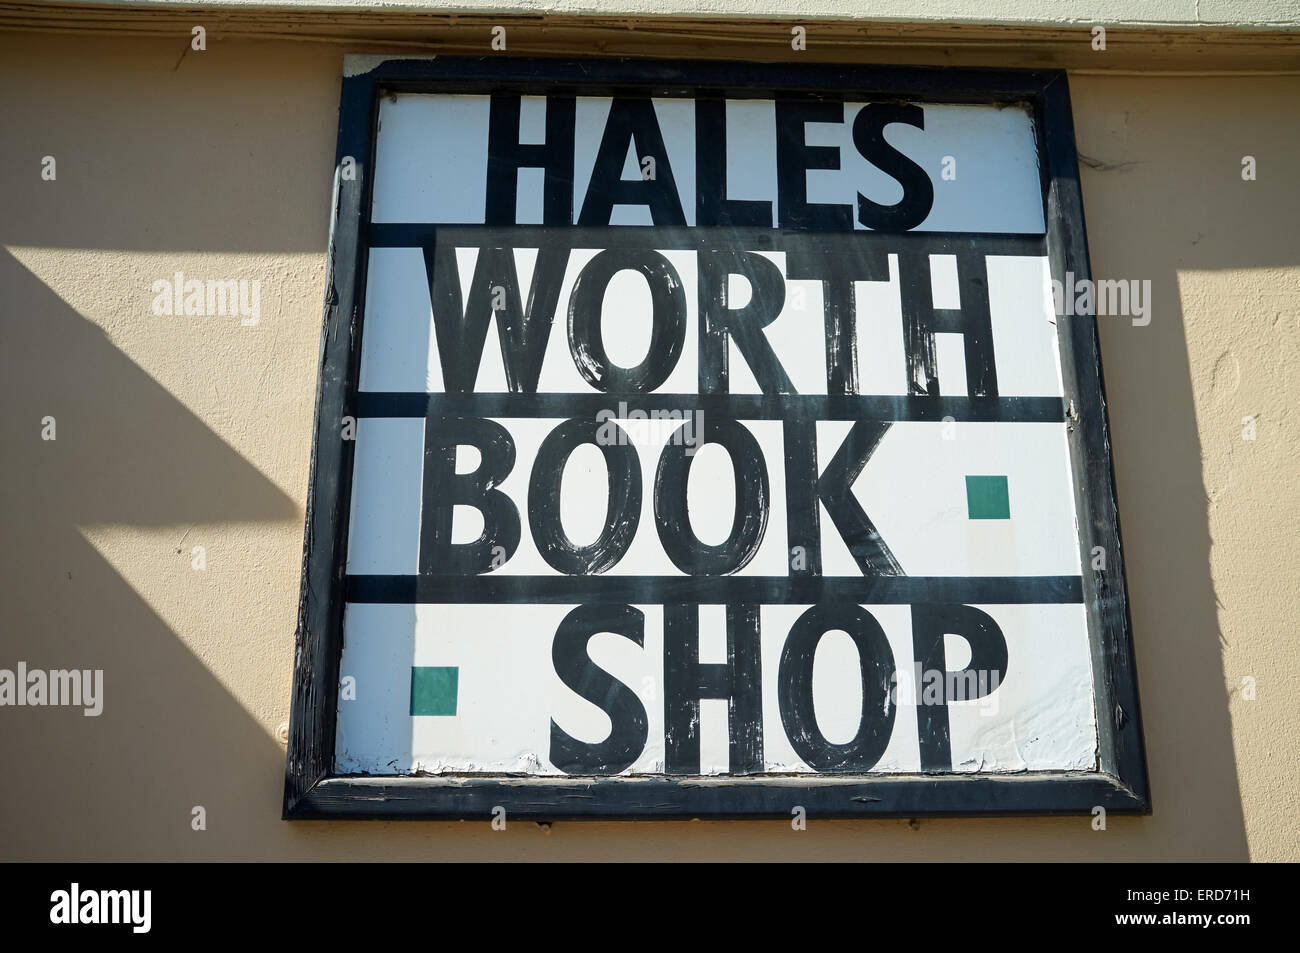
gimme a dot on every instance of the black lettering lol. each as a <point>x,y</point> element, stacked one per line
<point>444,489</point>
<point>629,726</point>
<point>988,658</point>
<point>712,207</point>
<point>834,490</point>
<point>794,157</point>
<point>918,191</point>
<point>837,262</point>
<point>686,682</point>
<point>462,329</point>
<point>631,122</point>
<point>622,513</point>
<point>922,320</point>
<point>719,321</point>
<point>802,519</point>
<point>507,155</point>
<point>795,688</point>
<point>683,547</point>
<point>667,317</point>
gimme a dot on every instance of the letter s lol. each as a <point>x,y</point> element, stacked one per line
<point>918,190</point>
<point>629,726</point>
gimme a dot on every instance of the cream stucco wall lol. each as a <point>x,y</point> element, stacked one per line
<point>179,432</point>
<point>1254,14</point>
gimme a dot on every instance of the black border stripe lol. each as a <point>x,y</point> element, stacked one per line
<point>609,76</point>
<point>1119,732</point>
<point>759,796</point>
<point>711,590</point>
<point>732,406</point>
<point>691,238</point>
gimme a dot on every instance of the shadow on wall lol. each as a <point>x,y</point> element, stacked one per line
<point>1170,180</point>
<point>126,451</point>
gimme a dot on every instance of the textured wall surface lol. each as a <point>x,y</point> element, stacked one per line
<point>1246,13</point>
<point>179,432</point>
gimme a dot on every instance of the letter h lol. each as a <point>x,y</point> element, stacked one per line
<point>687,682</point>
<point>507,155</point>
<point>922,320</point>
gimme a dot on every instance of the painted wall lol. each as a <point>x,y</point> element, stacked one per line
<point>1258,14</point>
<point>183,432</point>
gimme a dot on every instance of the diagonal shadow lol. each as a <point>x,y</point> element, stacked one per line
<point>126,451</point>
<point>1134,135</point>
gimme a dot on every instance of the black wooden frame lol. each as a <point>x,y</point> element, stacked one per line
<point>313,790</point>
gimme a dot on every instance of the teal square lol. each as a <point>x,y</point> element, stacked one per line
<point>987,498</point>
<point>433,689</point>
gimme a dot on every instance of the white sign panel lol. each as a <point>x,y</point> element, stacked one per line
<point>709,436</point>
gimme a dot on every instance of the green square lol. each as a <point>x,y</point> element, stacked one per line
<point>987,499</point>
<point>433,689</point>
